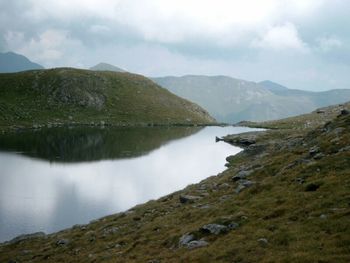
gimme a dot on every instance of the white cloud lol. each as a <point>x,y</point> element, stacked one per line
<point>47,48</point>
<point>280,38</point>
<point>326,44</point>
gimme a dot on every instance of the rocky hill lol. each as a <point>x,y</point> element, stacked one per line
<point>12,62</point>
<point>71,96</point>
<point>285,198</point>
<point>232,100</point>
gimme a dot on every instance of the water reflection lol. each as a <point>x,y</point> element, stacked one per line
<point>36,195</point>
<point>90,144</point>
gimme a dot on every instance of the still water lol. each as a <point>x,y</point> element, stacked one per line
<point>55,178</point>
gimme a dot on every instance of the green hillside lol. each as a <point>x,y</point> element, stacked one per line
<point>73,96</point>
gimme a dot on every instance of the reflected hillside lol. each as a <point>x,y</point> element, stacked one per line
<point>81,144</point>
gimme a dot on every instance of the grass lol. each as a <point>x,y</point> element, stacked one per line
<point>300,224</point>
<point>83,97</point>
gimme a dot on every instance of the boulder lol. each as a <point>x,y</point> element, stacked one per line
<point>188,199</point>
<point>215,229</point>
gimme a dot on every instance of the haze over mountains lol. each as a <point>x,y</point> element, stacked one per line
<point>231,100</point>
<point>12,62</point>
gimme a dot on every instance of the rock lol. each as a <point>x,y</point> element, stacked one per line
<point>62,242</point>
<point>241,175</point>
<point>233,226</point>
<point>344,112</point>
<point>300,180</point>
<point>319,156</point>
<point>239,188</point>
<point>242,184</point>
<point>323,216</point>
<point>110,230</point>
<point>28,236</point>
<point>188,199</point>
<point>320,111</point>
<point>197,244</point>
<point>263,242</point>
<point>215,229</point>
<point>70,117</point>
<point>185,239</point>
<point>102,123</point>
<point>314,150</point>
<point>217,139</point>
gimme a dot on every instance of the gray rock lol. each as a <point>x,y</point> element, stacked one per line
<point>110,230</point>
<point>314,150</point>
<point>319,156</point>
<point>197,244</point>
<point>246,183</point>
<point>188,199</point>
<point>323,216</point>
<point>263,242</point>
<point>27,237</point>
<point>241,175</point>
<point>344,112</point>
<point>215,229</point>
<point>239,188</point>
<point>233,226</point>
<point>185,239</point>
<point>62,242</point>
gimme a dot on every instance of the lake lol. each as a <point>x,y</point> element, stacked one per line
<point>51,179</point>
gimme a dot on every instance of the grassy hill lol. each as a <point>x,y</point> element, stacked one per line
<point>73,96</point>
<point>285,198</point>
<point>232,100</point>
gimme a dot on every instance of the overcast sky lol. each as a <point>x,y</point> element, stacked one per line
<point>302,44</point>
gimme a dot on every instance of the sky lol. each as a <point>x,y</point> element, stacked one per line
<point>302,44</point>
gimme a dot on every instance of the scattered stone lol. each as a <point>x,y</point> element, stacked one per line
<point>185,239</point>
<point>314,150</point>
<point>233,226</point>
<point>110,230</point>
<point>62,242</point>
<point>241,175</point>
<point>319,156</point>
<point>188,199</point>
<point>197,244</point>
<point>28,236</point>
<point>323,216</point>
<point>102,123</point>
<point>300,180</point>
<point>344,112</point>
<point>263,242</point>
<point>239,188</point>
<point>215,229</point>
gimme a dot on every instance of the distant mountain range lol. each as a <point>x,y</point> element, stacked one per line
<point>12,62</point>
<point>106,67</point>
<point>231,100</point>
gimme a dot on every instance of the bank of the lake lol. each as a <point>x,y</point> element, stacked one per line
<point>285,198</point>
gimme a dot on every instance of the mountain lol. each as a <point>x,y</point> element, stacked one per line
<point>73,96</point>
<point>270,85</point>
<point>106,67</point>
<point>231,100</point>
<point>12,62</point>
<point>284,198</point>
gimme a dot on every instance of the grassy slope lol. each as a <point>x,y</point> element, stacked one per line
<point>300,223</point>
<point>64,95</point>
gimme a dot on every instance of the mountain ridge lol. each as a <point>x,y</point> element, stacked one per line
<point>232,100</point>
<point>13,62</point>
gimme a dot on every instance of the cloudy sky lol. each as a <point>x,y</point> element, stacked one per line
<point>302,44</point>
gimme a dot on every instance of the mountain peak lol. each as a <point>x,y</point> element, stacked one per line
<point>106,67</point>
<point>13,62</point>
<point>272,86</point>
